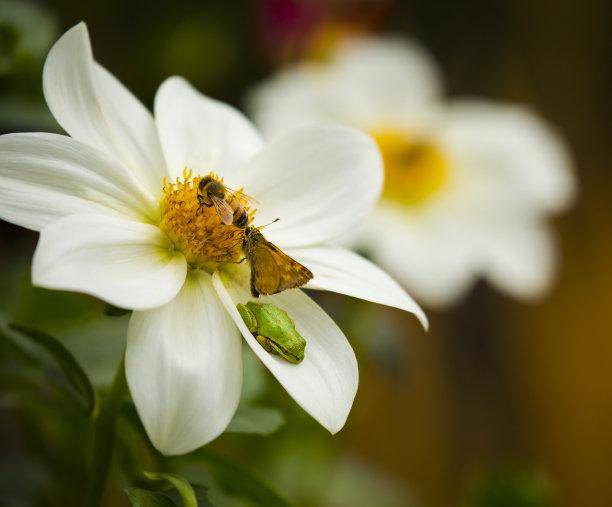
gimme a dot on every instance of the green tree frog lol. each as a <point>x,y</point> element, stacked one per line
<point>274,330</point>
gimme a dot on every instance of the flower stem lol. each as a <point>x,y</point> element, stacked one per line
<point>104,437</point>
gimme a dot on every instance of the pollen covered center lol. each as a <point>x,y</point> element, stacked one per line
<point>415,169</point>
<point>196,229</point>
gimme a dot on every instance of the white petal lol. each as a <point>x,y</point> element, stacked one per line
<point>366,82</point>
<point>433,258</point>
<point>510,154</point>
<point>184,368</point>
<point>520,259</point>
<point>201,133</point>
<point>93,107</point>
<point>325,382</point>
<point>298,95</point>
<point>340,270</point>
<point>128,264</point>
<point>437,278</point>
<point>319,180</point>
<point>47,176</point>
<point>386,79</point>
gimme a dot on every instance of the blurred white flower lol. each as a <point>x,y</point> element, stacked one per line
<point>111,226</point>
<point>469,184</point>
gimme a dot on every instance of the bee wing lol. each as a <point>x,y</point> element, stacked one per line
<point>273,271</point>
<point>251,200</point>
<point>224,210</point>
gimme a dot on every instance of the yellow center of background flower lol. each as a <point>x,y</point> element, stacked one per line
<point>197,230</point>
<point>415,169</point>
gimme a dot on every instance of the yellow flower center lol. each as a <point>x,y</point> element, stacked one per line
<point>195,229</point>
<point>415,169</point>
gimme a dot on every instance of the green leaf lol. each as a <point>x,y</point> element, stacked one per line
<point>36,25</point>
<point>143,498</point>
<point>509,487</point>
<point>201,494</point>
<point>17,111</point>
<point>182,486</point>
<point>256,420</point>
<point>8,345</point>
<point>115,311</point>
<point>66,361</point>
<point>239,480</point>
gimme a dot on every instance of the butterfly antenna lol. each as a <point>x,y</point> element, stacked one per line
<point>266,225</point>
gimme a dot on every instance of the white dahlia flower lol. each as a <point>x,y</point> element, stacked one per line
<point>469,184</point>
<point>118,214</point>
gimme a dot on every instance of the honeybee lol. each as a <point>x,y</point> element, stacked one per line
<point>240,217</point>
<point>211,192</point>
<point>272,270</point>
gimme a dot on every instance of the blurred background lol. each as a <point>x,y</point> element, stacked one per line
<point>500,404</point>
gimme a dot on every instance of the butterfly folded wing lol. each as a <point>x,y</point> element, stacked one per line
<point>273,271</point>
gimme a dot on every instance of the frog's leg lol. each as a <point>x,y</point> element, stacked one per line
<point>275,349</point>
<point>267,344</point>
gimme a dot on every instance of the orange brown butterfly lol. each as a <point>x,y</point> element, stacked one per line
<point>272,270</point>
